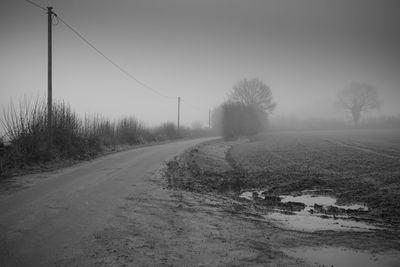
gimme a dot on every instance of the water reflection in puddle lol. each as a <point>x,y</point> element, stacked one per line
<point>319,213</point>
<point>339,256</point>
<point>250,194</point>
<point>302,221</point>
<point>311,200</point>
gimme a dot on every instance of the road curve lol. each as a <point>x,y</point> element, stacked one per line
<point>40,224</point>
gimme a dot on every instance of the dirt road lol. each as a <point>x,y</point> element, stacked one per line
<point>112,210</point>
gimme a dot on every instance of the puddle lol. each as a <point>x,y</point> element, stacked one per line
<point>340,256</point>
<point>311,200</point>
<point>251,194</point>
<point>312,212</point>
<point>302,221</point>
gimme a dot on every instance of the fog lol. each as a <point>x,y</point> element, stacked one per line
<point>305,51</point>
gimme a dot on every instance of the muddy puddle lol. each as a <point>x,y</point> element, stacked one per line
<point>309,211</point>
<point>340,256</point>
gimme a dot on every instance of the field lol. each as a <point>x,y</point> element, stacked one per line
<point>276,180</point>
<point>356,166</point>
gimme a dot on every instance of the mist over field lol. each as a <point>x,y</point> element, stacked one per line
<point>199,133</point>
<point>306,51</point>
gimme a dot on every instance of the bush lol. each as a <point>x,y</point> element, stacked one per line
<point>239,119</point>
<point>72,138</point>
<point>27,132</point>
<point>128,131</point>
<point>167,131</point>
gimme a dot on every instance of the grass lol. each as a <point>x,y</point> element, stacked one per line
<point>25,142</point>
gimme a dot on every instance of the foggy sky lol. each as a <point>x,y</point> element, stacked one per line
<point>304,50</point>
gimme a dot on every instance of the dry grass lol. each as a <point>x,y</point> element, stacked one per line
<point>26,134</point>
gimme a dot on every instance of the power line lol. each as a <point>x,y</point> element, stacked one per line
<point>36,5</point>
<point>191,105</point>
<point>58,18</point>
<point>111,61</point>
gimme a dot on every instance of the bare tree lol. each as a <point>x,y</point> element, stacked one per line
<point>253,93</point>
<point>358,98</point>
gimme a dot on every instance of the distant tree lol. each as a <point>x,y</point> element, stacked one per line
<point>253,92</point>
<point>239,119</point>
<point>358,98</point>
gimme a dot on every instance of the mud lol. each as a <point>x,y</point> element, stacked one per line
<point>312,212</point>
<point>285,197</point>
<point>290,163</point>
<point>344,257</point>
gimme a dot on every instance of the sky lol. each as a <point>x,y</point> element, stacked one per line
<point>304,50</point>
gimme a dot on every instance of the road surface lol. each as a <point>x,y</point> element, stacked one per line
<point>57,221</point>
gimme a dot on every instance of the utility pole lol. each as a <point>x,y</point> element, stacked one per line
<point>209,118</point>
<point>49,76</point>
<point>179,107</point>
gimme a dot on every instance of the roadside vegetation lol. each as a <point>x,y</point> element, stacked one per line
<point>25,143</point>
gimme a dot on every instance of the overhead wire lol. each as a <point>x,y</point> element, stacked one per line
<point>36,5</point>
<point>78,34</point>
<point>191,105</point>
<point>111,61</point>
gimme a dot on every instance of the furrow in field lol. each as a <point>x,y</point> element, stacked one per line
<point>364,149</point>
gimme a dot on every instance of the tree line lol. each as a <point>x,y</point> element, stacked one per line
<point>250,103</point>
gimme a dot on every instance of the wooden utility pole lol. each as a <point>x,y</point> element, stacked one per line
<point>49,75</point>
<point>209,118</point>
<point>179,108</point>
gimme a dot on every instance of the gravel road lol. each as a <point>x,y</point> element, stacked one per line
<point>57,220</point>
